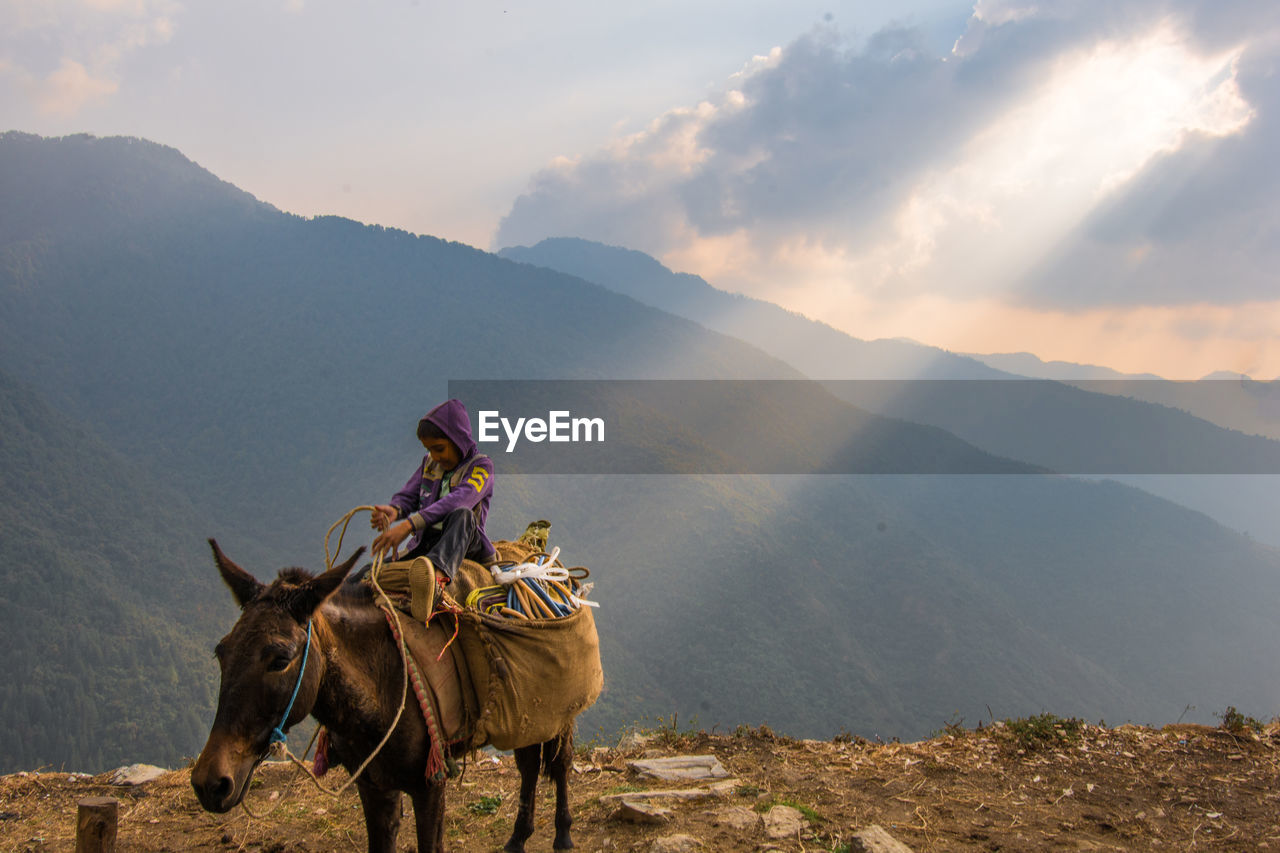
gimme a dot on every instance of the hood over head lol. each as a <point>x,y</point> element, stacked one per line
<point>452,420</point>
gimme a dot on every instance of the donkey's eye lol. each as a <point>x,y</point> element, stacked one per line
<point>278,663</point>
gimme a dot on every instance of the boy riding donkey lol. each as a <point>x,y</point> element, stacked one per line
<point>443,506</point>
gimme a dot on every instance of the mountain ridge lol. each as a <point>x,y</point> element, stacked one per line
<point>811,346</point>
<point>1091,426</point>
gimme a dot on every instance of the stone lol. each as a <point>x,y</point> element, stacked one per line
<point>739,817</point>
<point>642,813</point>
<point>137,774</point>
<point>784,822</point>
<point>719,789</point>
<point>874,839</point>
<point>676,844</point>
<point>681,767</point>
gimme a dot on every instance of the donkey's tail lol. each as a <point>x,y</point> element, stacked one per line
<point>557,753</point>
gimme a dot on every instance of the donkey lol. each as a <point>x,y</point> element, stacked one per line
<point>349,678</point>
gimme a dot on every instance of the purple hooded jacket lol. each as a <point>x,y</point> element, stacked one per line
<point>420,502</point>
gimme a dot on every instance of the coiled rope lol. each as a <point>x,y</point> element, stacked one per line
<point>279,749</point>
<point>543,568</point>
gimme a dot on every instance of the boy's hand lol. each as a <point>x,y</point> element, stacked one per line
<point>382,516</point>
<point>390,539</point>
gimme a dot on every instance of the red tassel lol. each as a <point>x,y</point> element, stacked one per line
<point>320,765</point>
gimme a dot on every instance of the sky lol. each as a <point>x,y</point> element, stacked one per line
<point>1088,180</point>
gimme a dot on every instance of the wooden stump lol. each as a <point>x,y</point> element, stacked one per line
<point>96,825</point>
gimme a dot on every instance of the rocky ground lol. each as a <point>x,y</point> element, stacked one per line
<point>1036,784</point>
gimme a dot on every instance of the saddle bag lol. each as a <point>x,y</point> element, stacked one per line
<point>531,676</point>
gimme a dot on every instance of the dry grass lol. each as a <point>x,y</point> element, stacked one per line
<point>1129,788</point>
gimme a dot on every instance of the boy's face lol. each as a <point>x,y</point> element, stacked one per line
<point>443,452</point>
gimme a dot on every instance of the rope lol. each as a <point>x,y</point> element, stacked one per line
<point>280,747</point>
<point>544,568</point>
<point>277,734</point>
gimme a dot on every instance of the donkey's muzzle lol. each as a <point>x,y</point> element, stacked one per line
<point>221,773</point>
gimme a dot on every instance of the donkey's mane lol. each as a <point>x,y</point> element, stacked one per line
<point>283,591</point>
<point>294,575</point>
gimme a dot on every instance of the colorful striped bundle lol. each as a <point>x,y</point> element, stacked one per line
<point>538,590</point>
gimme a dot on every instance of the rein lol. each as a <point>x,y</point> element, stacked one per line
<point>277,734</point>
<point>279,743</point>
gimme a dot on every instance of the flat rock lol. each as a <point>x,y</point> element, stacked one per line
<point>676,844</point>
<point>874,839</point>
<point>642,813</point>
<point>137,774</point>
<point>718,789</point>
<point>681,767</point>
<point>784,822</point>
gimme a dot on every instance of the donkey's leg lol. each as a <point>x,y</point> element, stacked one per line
<point>528,760</point>
<point>428,815</point>
<point>558,761</point>
<point>381,816</point>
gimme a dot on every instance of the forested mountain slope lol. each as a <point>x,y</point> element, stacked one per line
<point>258,374</point>
<point>108,601</point>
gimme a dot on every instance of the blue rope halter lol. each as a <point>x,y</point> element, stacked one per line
<point>277,734</point>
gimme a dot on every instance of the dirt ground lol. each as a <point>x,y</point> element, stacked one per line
<point>1067,786</point>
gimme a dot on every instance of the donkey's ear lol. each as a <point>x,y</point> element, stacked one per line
<point>316,590</point>
<point>244,587</point>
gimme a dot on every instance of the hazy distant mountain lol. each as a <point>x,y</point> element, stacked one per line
<point>270,369</point>
<point>1223,397</point>
<point>822,352</point>
<point>1246,502</point>
<point>1058,427</point>
<point>817,350</point>
<point>1031,366</point>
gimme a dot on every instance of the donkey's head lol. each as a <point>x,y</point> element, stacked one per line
<point>262,662</point>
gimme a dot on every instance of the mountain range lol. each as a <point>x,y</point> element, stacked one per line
<point>1160,435</point>
<point>191,362</point>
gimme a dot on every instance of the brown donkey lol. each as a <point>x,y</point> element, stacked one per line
<point>298,649</point>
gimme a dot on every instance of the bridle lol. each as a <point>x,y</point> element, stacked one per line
<point>278,734</point>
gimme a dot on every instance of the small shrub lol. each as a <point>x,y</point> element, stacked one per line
<point>624,789</point>
<point>954,727</point>
<point>809,812</point>
<point>1042,730</point>
<point>485,806</point>
<point>669,733</point>
<point>1234,721</point>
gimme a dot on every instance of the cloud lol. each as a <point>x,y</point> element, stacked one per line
<point>64,55</point>
<point>1201,221</point>
<point>1061,156</point>
<point>69,88</point>
<point>816,138</point>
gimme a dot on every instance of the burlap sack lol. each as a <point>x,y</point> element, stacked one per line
<point>532,677</point>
